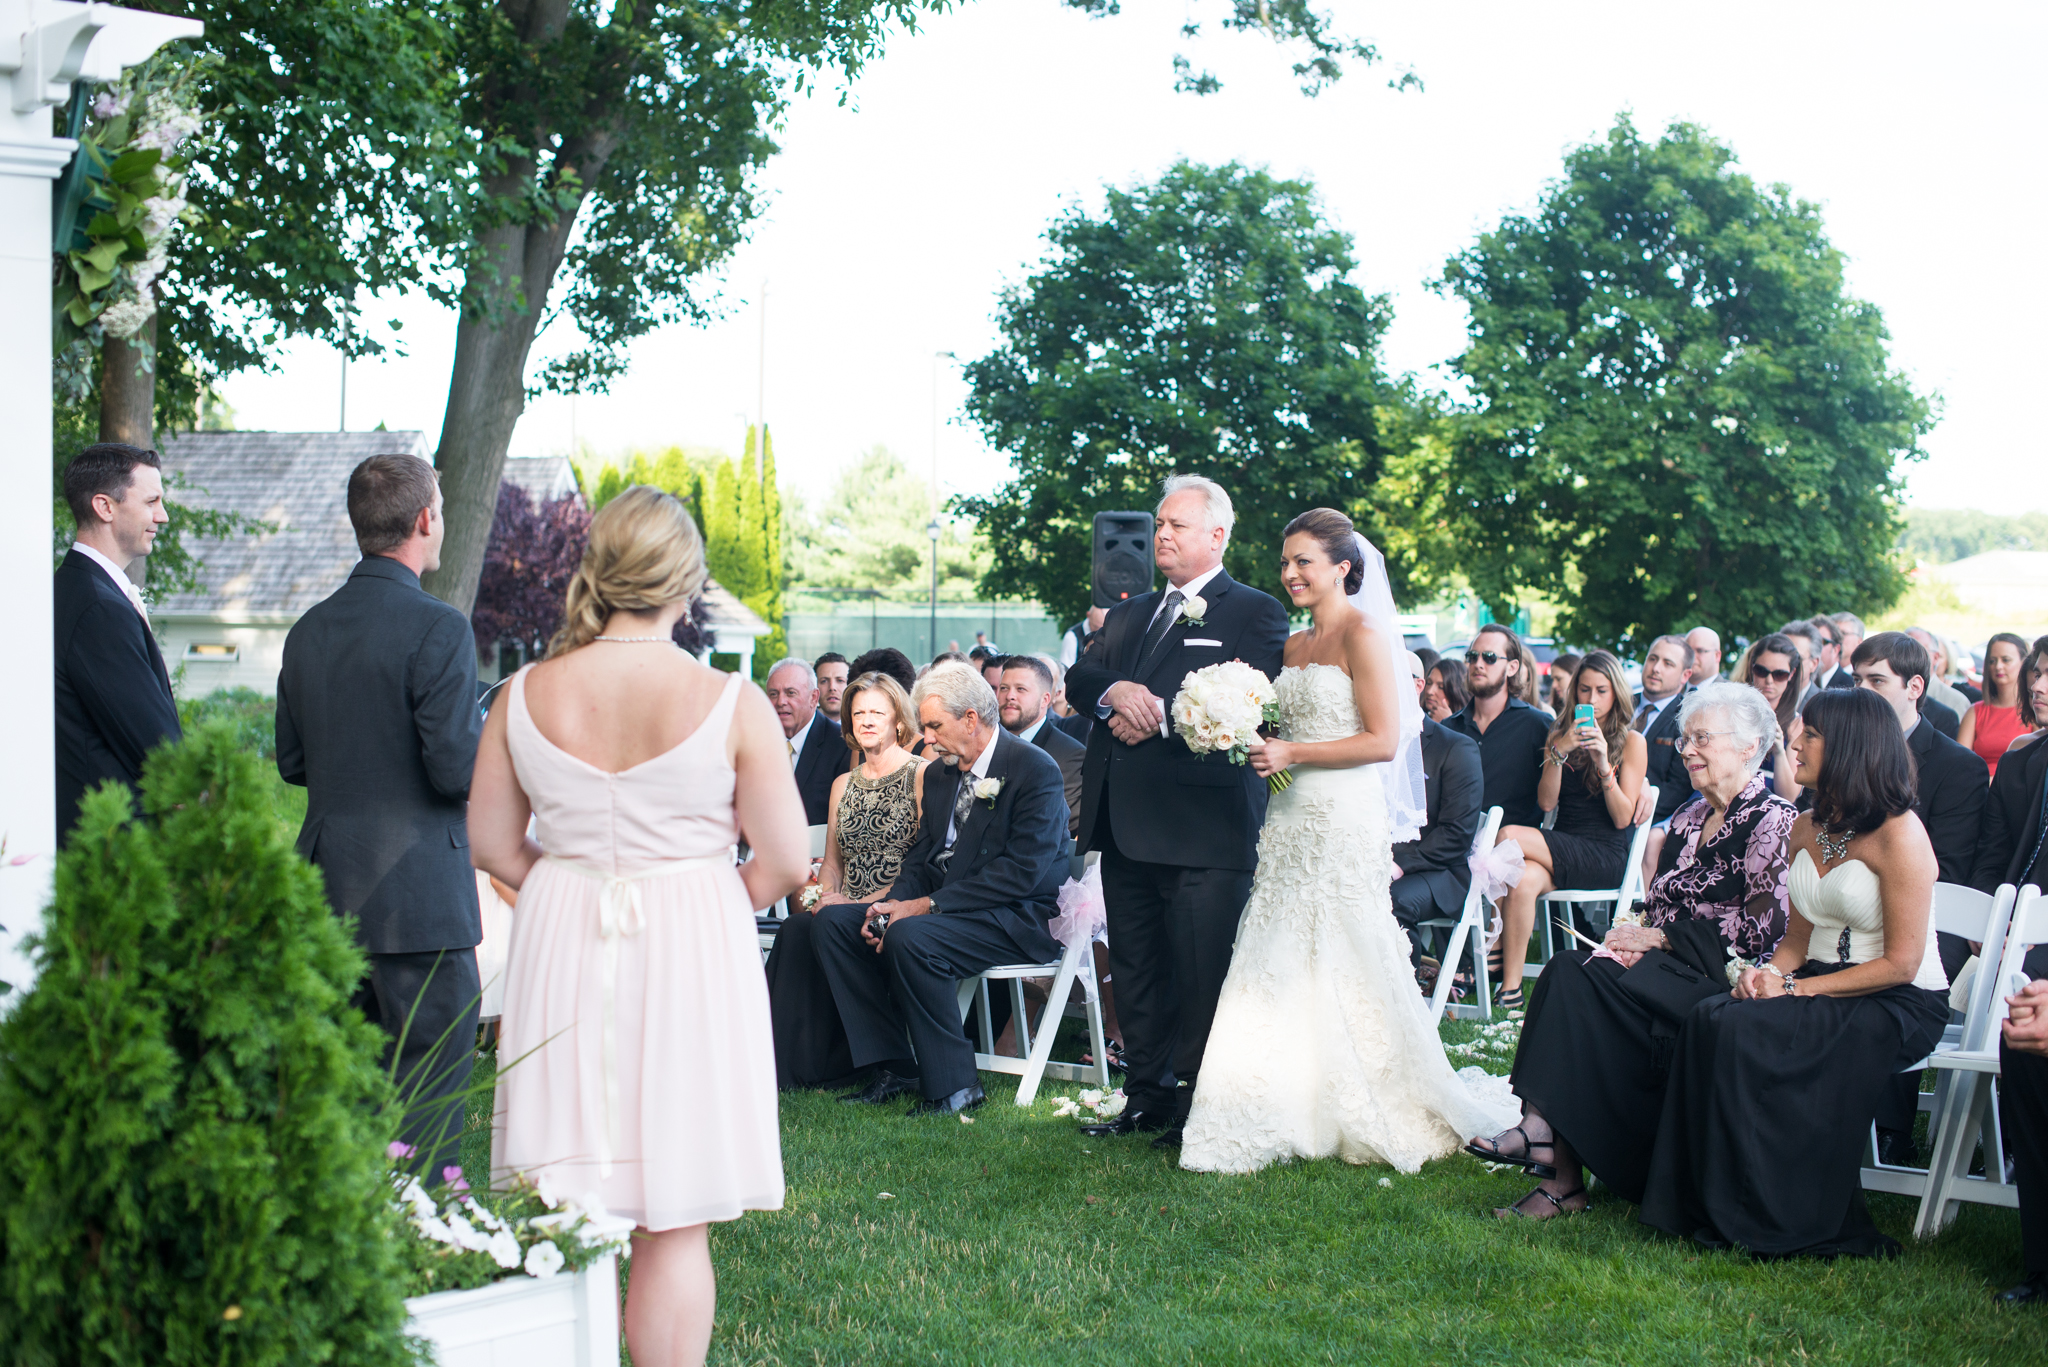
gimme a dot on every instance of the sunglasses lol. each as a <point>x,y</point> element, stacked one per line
<point>1774,675</point>
<point>1473,657</point>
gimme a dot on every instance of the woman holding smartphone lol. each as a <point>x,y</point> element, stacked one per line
<point>1593,767</point>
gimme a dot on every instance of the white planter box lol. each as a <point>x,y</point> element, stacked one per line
<point>560,1321</point>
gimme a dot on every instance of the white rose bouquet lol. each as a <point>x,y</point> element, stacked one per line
<point>1222,707</point>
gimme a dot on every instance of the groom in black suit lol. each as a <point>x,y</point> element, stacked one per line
<point>1178,831</point>
<point>114,702</point>
<point>976,891</point>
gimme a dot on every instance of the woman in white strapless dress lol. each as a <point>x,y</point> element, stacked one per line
<point>638,1064</point>
<point>1773,1090</point>
<point>1322,1044</point>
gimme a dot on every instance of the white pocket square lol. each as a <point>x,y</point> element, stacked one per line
<point>1198,641</point>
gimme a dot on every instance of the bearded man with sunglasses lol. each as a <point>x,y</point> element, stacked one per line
<point>1510,733</point>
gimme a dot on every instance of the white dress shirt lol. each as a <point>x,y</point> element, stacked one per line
<point>796,742</point>
<point>977,770</point>
<point>116,573</point>
<point>1029,735</point>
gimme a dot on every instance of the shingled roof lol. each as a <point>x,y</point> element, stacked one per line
<point>297,482</point>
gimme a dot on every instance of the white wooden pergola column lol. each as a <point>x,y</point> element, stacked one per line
<point>44,46</point>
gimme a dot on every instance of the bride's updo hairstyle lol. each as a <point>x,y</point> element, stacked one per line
<point>644,554</point>
<point>1337,536</point>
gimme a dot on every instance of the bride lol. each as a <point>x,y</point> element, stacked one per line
<point>1322,1045</point>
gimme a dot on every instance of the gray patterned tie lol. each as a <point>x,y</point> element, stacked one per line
<point>1161,624</point>
<point>962,805</point>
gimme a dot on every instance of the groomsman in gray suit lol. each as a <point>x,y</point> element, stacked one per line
<point>377,718</point>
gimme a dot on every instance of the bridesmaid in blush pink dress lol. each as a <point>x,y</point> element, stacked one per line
<point>638,1059</point>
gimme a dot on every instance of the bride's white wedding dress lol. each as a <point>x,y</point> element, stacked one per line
<point>1322,1043</point>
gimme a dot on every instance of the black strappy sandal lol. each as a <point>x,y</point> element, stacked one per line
<point>1511,998</point>
<point>1463,985</point>
<point>1526,1159</point>
<point>1515,1211</point>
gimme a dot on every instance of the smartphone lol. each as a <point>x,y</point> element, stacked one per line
<point>1582,715</point>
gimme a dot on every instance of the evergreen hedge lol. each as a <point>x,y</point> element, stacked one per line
<point>192,1119</point>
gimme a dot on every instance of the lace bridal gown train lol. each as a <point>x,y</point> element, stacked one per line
<point>1322,1044</point>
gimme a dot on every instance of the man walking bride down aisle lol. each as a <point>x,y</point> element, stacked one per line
<point>1321,1045</point>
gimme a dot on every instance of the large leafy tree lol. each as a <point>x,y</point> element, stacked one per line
<point>1681,415</point>
<point>871,533</point>
<point>1205,324</point>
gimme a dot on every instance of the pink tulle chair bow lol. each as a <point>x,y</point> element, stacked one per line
<point>1082,912</point>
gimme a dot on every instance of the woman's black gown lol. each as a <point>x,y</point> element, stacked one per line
<point>1587,850</point>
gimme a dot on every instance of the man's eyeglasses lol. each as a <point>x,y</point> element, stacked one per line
<point>1774,675</point>
<point>1473,657</point>
<point>1692,740</point>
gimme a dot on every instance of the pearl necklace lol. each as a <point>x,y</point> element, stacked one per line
<point>651,640</point>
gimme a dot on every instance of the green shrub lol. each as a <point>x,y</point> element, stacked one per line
<point>252,715</point>
<point>192,1118</point>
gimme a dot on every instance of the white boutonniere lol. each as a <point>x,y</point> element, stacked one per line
<point>1194,610</point>
<point>987,788</point>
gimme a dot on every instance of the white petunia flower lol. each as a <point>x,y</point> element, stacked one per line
<point>504,1248</point>
<point>466,1235</point>
<point>543,1259</point>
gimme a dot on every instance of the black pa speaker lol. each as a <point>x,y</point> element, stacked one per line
<point>1123,558</point>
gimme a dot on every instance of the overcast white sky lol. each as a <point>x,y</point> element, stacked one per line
<point>897,218</point>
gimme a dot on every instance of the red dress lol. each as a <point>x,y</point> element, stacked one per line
<point>1997,727</point>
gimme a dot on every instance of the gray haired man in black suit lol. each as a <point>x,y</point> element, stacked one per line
<point>114,700</point>
<point>377,718</point>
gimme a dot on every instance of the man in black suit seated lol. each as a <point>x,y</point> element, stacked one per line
<point>817,752</point>
<point>1667,676</point>
<point>976,891</point>
<point>1025,697</point>
<point>1433,872</point>
<point>114,702</point>
<point>377,720</point>
<point>1953,784</point>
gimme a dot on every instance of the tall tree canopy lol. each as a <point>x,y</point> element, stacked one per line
<point>1681,415</point>
<point>1205,324</point>
<point>870,532</point>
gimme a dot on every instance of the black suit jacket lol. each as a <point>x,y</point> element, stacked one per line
<point>1954,783</point>
<point>377,719</point>
<point>823,758</point>
<point>1944,718</point>
<point>1165,804</point>
<point>1010,855</point>
<point>1667,769</point>
<point>1069,754</point>
<point>1841,678</point>
<point>2012,820</point>
<point>114,702</point>
<point>1078,726</point>
<point>1453,786</point>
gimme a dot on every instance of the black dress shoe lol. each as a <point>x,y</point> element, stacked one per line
<point>2032,1291</point>
<point>1169,1138</point>
<point>966,1099</point>
<point>884,1086</point>
<point>1129,1122</point>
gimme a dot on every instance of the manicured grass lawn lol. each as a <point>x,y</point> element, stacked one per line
<point>1013,1240</point>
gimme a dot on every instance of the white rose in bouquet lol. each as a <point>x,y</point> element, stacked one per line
<point>1222,707</point>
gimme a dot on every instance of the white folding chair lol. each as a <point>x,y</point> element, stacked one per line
<point>781,909</point>
<point>1966,1117</point>
<point>1469,927</point>
<point>1627,895</point>
<point>1034,1053</point>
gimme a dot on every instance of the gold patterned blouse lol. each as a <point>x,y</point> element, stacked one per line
<point>877,824</point>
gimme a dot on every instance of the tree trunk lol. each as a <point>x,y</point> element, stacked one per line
<point>128,388</point>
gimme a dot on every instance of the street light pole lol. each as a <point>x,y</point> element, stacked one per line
<point>933,527</point>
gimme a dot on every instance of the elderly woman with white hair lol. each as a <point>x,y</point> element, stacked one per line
<point>1596,1047</point>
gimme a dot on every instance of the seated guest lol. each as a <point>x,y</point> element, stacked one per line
<point>1560,677</point>
<point>872,822</point>
<point>1433,871</point>
<point>887,660</point>
<point>1667,670</point>
<point>2023,1117</point>
<point>1025,699</point>
<point>1444,691</point>
<point>2007,847</point>
<point>1831,670</point>
<point>1807,641</point>
<point>1941,693</point>
<point>976,890</point>
<point>1773,1089</point>
<point>1592,773</point>
<point>952,656</point>
<point>1850,632</point>
<point>1993,724</point>
<point>817,755</point>
<point>1509,731</point>
<point>1591,1065</point>
<point>1951,782</point>
<point>1428,657</point>
<point>1706,651</point>
<point>832,672</point>
<point>1774,668</point>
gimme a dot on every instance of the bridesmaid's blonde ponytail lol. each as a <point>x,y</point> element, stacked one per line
<point>644,554</point>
